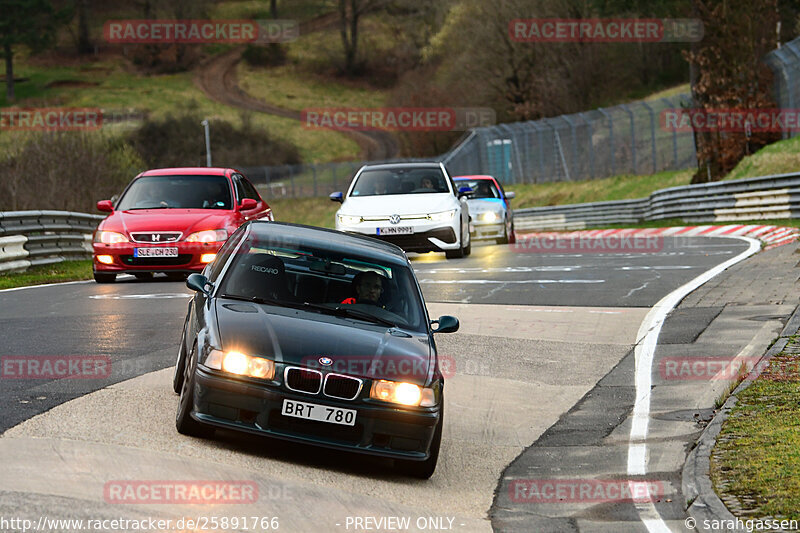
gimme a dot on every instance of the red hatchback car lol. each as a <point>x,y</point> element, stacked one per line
<point>172,220</point>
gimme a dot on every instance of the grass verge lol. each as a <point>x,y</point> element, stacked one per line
<point>756,462</point>
<point>310,211</point>
<point>39,275</point>
<point>600,190</point>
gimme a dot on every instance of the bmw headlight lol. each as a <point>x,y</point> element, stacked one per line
<point>402,393</point>
<point>110,237</point>
<point>209,235</point>
<point>349,220</point>
<point>444,216</point>
<point>240,364</point>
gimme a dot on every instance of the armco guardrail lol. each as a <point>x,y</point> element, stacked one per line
<point>29,238</point>
<point>763,198</point>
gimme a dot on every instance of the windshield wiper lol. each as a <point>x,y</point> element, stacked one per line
<point>344,310</point>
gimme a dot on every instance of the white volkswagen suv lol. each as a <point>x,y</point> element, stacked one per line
<point>413,205</point>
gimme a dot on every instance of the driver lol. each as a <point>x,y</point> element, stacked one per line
<point>381,186</point>
<point>368,288</point>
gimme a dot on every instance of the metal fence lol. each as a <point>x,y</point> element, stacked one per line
<point>785,64</point>
<point>625,139</point>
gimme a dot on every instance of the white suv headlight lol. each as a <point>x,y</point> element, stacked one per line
<point>444,216</point>
<point>349,220</point>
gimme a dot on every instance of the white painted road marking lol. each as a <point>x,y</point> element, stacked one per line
<point>156,296</point>
<point>643,354</point>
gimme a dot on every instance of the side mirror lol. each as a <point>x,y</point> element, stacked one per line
<point>337,197</point>
<point>198,283</point>
<point>105,205</point>
<point>463,191</point>
<point>248,204</point>
<point>510,195</point>
<point>446,324</point>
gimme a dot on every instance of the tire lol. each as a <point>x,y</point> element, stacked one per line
<point>468,249</point>
<point>176,276</point>
<point>505,237</point>
<point>178,374</point>
<point>458,252</point>
<point>512,238</point>
<point>184,423</point>
<point>144,276</point>
<point>424,469</point>
<point>103,277</point>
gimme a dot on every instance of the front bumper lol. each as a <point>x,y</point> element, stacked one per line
<point>379,429</point>
<point>123,261</point>
<point>427,236</point>
<point>487,230</point>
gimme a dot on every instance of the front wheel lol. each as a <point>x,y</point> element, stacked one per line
<point>178,374</point>
<point>505,239</point>
<point>184,422</point>
<point>458,252</point>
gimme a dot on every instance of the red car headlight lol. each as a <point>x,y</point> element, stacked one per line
<point>110,237</point>
<point>209,235</point>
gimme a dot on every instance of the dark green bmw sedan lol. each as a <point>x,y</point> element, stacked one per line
<point>316,336</point>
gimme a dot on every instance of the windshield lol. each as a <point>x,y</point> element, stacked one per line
<point>400,181</point>
<point>480,188</point>
<point>325,282</point>
<point>187,192</point>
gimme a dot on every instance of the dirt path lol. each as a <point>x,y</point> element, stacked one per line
<point>216,77</point>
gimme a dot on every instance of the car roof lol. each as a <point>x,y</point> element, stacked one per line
<point>195,171</point>
<point>475,177</point>
<point>334,240</point>
<point>390,166</point>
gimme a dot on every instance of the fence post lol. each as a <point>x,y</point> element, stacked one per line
<point>633,135</point>
<point>574,144</point>
<point>652,133</point>
<point>611,140</point>
<point>674,137</point>
<point>591,144</point>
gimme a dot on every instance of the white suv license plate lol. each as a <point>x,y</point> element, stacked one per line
<point>155,252</point>
<point>396,230</point>
<point>321,413</point>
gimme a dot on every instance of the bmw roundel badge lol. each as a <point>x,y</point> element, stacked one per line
<point>325,361</point>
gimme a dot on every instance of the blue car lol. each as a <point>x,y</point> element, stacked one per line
<point>490,208</point>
